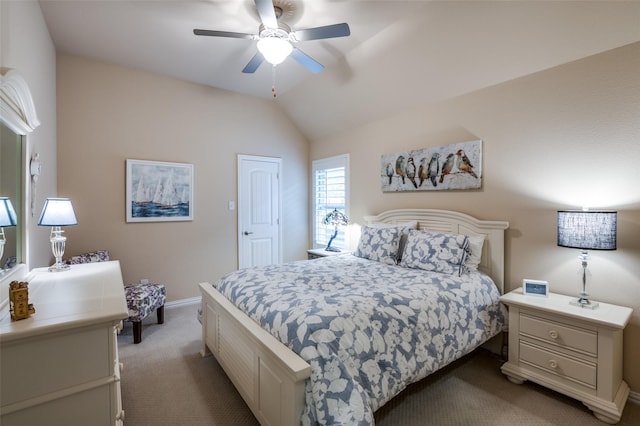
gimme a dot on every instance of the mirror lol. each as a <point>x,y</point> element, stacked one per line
<point>18,118</point>
<point>11,186</point>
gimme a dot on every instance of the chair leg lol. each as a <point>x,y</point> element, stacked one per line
<point>160,313</point>
<point>137,331</point>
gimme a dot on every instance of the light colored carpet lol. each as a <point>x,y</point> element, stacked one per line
<point>165,381</point>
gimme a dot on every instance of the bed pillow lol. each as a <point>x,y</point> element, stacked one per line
<point>404,232</point>
<point>474,252</point>
<point>435,252</point>
<point>379,244</point>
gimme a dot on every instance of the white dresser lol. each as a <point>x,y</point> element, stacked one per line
<point>60,366</point>
<point>570,349</point>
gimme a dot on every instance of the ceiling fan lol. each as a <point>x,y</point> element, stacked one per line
<point>276,39</point>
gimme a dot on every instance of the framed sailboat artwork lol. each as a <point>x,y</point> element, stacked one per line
<point>159,191</point>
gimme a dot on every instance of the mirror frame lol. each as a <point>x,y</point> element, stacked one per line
<point>18,113</point>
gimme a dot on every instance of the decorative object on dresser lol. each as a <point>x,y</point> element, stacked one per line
<point>61,366</point>
<point>8,219</point>
<point>587,230</point>
<point>335,219</point>
<point>19,301</point>
<point>56,213</point>
<point>574,351</point>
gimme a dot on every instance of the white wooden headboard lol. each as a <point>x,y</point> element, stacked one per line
<point>492,262</point>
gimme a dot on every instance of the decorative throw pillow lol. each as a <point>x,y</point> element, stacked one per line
<point>436,252</point>
<point>94,256</point>
<point>379,244</point>
<point>404,232</point>
<point>474,252</point>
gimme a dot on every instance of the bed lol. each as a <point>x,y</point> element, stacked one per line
<point>339,364</point>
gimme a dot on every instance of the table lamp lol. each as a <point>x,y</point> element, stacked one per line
<point>587,230</point>
<point>57,212</point>
<point>336,219</point>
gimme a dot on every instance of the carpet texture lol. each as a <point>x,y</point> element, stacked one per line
<point>165,382</point>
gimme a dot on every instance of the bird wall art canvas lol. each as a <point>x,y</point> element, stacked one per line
<point>159,191</point>
<point>448,167</point>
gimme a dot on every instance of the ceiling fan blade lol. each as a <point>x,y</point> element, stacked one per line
<point>267,14</point>
<point>329,31</point>
<point>306,61</point>
<point>223,34</point>
<point>253,64</point>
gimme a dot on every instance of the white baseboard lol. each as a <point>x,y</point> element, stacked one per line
<point>183,302</point>
<point>634,397</point>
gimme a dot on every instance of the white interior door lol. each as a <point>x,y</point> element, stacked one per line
<point>258,211</point>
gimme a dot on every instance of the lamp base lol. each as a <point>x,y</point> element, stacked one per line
<point>334,249</point>
<point>59,268</point>
<point>585,304</point>
<point>58,242</point>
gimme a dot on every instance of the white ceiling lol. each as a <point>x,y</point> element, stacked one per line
<point>400,53</point>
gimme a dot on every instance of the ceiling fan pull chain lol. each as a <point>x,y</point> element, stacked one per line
<point>273,80</point>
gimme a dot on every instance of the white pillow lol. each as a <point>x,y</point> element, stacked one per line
<point>474,252</point>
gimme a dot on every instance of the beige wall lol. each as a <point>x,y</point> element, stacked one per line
<point>25,46</point>
<point>562,138</point>
<point>107,114</point>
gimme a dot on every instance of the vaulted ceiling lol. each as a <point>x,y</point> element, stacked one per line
<point>400,54</point>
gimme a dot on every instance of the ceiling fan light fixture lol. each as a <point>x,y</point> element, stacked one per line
<point>274,49</point>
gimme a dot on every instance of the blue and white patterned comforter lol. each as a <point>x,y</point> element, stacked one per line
<point>367,329</point>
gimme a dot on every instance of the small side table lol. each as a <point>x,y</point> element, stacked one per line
<point>317,253</point>
<point>572,350</point>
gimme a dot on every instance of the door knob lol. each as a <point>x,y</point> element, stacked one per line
<point>247,233</point>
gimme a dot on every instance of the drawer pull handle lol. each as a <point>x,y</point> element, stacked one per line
<point>553,334</point>
<point>553,363</point>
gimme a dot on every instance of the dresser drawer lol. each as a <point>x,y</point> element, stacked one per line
<point>559,365</point>
<point>81,357</point>
<point>559,334</point>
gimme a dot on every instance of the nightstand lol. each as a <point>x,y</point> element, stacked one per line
<point>572,350</point>
<point>317,253</point>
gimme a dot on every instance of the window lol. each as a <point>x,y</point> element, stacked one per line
<point>330,181</point>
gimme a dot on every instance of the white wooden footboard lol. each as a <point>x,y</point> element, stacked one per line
<point>269,376</point>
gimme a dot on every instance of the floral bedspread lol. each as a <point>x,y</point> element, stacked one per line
<point>367,329</point>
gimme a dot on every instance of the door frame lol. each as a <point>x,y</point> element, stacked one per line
<point>277,161</point>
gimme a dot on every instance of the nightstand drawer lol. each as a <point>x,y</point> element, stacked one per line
<point>559,365</point>
<point>559,334</point>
